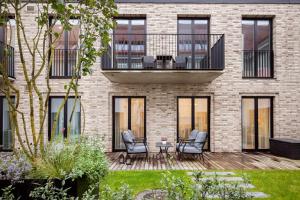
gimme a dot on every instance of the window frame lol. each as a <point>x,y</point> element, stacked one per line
<point>129,117</point>
<point>1,126</point>
<point>255,19</point>
<point>129,32</point>
<point>193,62</point>
<point>66,44</point>
<point>65,109</point>
<point>193,116</point>
<point>256,133</point>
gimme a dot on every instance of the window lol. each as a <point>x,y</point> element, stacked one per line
<point>193,41</point>
<point>6,133</point>
<point>69,119</point>
<point>129,42</point>
<point>7,42</point>
<point>257,45</point>
<point>128,113</point>
<point>66,47</point>
<point>193,113</point>
<point>257,122</point>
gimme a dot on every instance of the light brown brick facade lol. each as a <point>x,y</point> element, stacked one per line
<point>225,91</point>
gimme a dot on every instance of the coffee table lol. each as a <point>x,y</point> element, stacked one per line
<point>163,148</point>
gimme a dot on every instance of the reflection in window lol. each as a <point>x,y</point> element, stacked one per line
<point>6,135</point>
<point>256,112</point>
<point>69,118</point>
<point>257,47</point>
<point>193,41</point>
<point>129,42</point>
<point>129,113</point>
<point>192,114</point>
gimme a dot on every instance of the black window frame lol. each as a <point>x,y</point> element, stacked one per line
<point>193,116</point>
<point>255,98</point>
<point>129,117</point>
<point>66,44</point>
<point>1,125</point>
<point>129,32</point>
<point>255,19</point>
<point>65,109</point>
<point>193,36</point>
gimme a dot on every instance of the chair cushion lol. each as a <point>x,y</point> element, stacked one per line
<point>189,149</point>
<point>193,134</point>
<point>138,149</point>
<point>131,134</point>
<point>201,137</point>
<point>127,137</point>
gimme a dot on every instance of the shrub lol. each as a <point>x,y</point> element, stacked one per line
<point>7,194</point>
<point>122,193</point>
<point>50,192</point>
<point>14,167</point>
<point>63,159</point>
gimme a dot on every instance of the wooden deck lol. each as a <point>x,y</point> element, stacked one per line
<point>212,161</point>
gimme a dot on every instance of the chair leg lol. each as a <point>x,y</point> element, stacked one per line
<point>121,159</point>
<point>202,157</point>
<point>126,158</point>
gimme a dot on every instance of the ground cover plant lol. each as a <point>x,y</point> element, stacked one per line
<point>279,184</point>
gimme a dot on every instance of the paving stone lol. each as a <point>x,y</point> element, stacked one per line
<point>214,173</point>
<point>249,194</point>
<point>243,185</point>
<point>229,179</point>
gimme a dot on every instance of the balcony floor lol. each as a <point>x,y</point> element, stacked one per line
<point>212,161</point>
<point>163,76</point>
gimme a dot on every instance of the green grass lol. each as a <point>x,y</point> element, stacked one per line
<point>280,184</point>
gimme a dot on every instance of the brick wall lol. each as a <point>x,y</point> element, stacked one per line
<point>96,90</point>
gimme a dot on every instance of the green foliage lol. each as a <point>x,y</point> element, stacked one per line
<point>8,194</point>
<point>82,158</point>
<point>175,187</point>
<point>122,193</point>
<point>49,192</point>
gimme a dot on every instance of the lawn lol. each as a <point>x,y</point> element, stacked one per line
<point>280,184</point>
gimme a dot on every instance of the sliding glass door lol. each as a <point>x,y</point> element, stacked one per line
<point>193,113</point>
<point>128,113</point>
<point>257,122</point>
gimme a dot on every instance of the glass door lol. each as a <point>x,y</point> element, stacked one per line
<point>257,122</point>
<point>193,41</point>
<point>193,113</point>
<point>128,113</point>
<point>129,43</point>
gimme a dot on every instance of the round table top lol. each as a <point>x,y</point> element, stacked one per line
<point>160,144</point>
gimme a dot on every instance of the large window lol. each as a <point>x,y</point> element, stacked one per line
<point>128,113</point>
<point>66,47</point>
<point>193,41</point>
<point>193,113</point>
<point>68,121</point>
<point>129,43</point>
<point>6,133</point>
<point>7,44</point>
<point>257,45</point>
<point>257,122</point>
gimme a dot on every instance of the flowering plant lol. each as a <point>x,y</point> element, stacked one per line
<point>14,167</point>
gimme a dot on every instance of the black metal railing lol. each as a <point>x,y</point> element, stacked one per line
<point>195,52</point>
<point>257,63</point>
<point>64,63</point>
<point>7,60</point>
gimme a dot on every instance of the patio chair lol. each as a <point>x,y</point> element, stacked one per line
<point>133,145</point>
<point>180,62</point>
<point>194,147</point>
<point>149,62</point>
<point>190,139</point>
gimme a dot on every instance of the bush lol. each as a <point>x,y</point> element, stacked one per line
<point>14,167</point>
<point>122,193</point>
<point>63,159</point>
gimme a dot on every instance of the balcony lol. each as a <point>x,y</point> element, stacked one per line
<point>7,60</point>
<point>164,58</point>
<point>64,63</point>
<point>258,64</point>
